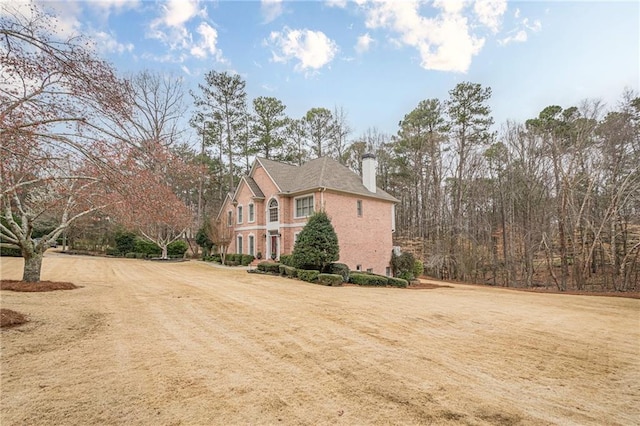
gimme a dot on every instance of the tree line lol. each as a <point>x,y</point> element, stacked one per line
<point>551,201</point>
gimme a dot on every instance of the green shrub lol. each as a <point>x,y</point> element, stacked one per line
<point>246,259</point>
<point>125,242</point>
<point>290,271</point>
<point>406,275</point>
<point>403,265</point>
<point>130,255</point>
<point>418,268</point>
<point>141,255</point>
<point>340,269</point>
<point>270,267</point>
<point>177,248</point>
<point>308,275</point>
<point>317,243</point>
<point>10,252</point>
<point>203,240</point>
<point>330,279</point>
<point>397,282</point>
<point>286,259</point>
<point>110,251</point>
<point>231,263</point>
<point>147,247</point>
<point>216,257</point>
<point>360,278</point>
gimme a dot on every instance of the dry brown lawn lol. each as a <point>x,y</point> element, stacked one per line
<point>143,343</point>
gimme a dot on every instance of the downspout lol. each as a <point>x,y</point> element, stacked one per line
<point>322,197</point>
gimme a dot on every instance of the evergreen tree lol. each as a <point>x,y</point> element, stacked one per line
<point>317,244</point>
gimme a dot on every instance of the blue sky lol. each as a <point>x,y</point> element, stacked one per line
<point>377,59</point>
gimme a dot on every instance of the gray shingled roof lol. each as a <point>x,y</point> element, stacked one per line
<point>254,187</point>
<point>323,172</point>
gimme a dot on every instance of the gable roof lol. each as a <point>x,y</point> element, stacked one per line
<point>253,187</point>
<point>228,197</point>
<point>323,172</point>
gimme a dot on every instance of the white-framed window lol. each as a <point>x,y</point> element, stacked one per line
<point>358,267</point>
<point>304,206</point>
<point>273,210</point>
<point>229,218</point>
<point>295,236</point>
<point>239,244</point>
<point>388,271</point>
<point>240,218</point>
<point>359,207</point>
<point>252,245</point>
<point>252,213</point>
<point>370,270</point>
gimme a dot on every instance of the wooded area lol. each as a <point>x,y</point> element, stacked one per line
<point>551,201</point>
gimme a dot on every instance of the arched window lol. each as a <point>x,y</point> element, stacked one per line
<point>273,210</point>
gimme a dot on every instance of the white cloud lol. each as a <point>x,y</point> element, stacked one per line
<point>178,12</point>
<point>516,14</point>
<point>336,3</point>
<point>173,29</point>
<point>106,6</point>
<point>271,9</point>
<point>452,7</point>
<point>107,43</point>
<point>443,42</point>
<point>313,49</point>
<point>520,34</point>
<point>207,44</point>
<point>535,26</point>
<point>519,37</point>
<point>62,17</point>
<point>363,44</point>
<point>489,12</point>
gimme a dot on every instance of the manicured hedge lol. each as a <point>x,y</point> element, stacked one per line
<point>290,271</point>
<point>397,282</point>
<point>246,259</point>
<point>340,269</point>
<point>367,279</point>
<point>10,252</point>
<point>287,271</point>
<point>330,279</point>
<point>308,275</point>
<point>270,267</point>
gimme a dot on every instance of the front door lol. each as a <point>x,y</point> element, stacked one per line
<point>274,247</point>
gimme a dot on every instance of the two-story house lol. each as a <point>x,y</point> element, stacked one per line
<point>272,203</point>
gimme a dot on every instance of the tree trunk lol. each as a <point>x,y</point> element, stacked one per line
<point>32,267</point>
<point>164,252</point>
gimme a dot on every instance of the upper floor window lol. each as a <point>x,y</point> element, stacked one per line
<point>229,218</point>
<point>359,207</point>
<point>240,214</point>
<point>252,214</point>
<point>304,206</point>
<point>273,210</point>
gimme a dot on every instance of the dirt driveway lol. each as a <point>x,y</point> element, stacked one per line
<point>186,343</point>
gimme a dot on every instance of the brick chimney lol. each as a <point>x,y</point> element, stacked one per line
<point>369,172</point>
